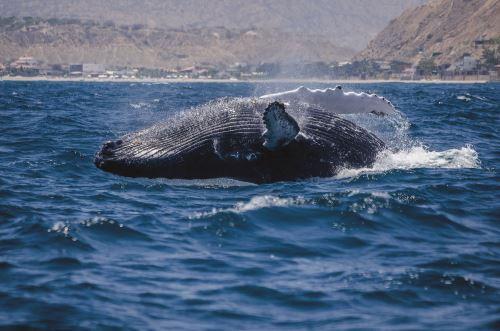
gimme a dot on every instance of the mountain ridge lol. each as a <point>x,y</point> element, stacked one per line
<point>441,29</point>
<point>73,41</point>
<point>346,23</point>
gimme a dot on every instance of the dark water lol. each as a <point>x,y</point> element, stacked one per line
<point>411,244</point>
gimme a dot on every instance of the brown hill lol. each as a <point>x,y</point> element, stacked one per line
<point>345,23</point>
<point>73,41</point>
<point>444,28</point>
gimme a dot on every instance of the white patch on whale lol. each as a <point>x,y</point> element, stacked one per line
<point>335,100</point>
<point>281,128</point>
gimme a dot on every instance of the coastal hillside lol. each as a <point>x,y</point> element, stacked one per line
<point>349,24</point>
<point>64,41</point>
<point>441,29</point>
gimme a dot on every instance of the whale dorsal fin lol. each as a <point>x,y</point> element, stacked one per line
<point>281,128</point>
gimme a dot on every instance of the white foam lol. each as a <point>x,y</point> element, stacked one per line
<point>464,98</point>
<point>418,157</point>
<point>61,227</point>
<point>140,105</point>
<point>204,183</point>
<point>255,203</point>
<point>264,201</point>
<point>335,100</point>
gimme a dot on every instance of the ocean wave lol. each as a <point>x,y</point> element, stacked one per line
<point>350,209</point>
<point>256,202</point>
<point>464,98</point>
<point>140,105</point>
<point>97,228</point>
<point>208,183</point>
<point>84,249</point>
<point>418,157</point>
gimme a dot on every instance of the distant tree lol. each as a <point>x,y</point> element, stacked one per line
<point>399,66</point>
<point>109,24</point>
<point>57,67</point>
<point>5,21</point>
<point>426,67</point>
<point>490,58</point>
<point>315,69</point>
<point>138,27</point>
<point>270,69</point>
<point>53,21</point>
<point>363,68</point>
<point>28,20</point>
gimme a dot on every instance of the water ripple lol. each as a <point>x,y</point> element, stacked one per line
<point>409,243</point>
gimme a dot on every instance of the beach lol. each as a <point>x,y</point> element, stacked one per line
<point>253,81</point>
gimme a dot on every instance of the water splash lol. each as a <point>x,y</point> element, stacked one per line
<point>418,157</point>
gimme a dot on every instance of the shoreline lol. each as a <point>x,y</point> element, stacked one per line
<point>252,81</point>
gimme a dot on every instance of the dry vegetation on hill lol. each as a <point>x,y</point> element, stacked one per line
<point>169,33</point>
<point>442,29</point>
<point>74,41</point>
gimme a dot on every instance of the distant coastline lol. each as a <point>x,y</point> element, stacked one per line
<point>269,81</point>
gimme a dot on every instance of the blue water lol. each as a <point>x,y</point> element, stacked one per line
<point>410,244</point>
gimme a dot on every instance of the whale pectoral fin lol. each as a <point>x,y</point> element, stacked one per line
<point>281,128</point>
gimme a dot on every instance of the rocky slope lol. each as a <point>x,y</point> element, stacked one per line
<point>73,41</point>
<point>442,29</point>
<point>345,23</point>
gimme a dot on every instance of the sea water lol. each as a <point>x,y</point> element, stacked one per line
<point>412,243</point>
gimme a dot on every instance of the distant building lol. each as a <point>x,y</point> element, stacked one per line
<point>399,66</point>
<point>384,65</point>
<point>481,42</point>
<point>25,63</point>
<point>54,70</point>
<point>469,63</point>
<point>344,63</point>
<point>76,69</point>
<point>233,71</point>
<point>409,74</point>
<point>25,66</point>
<point>495,74</point>
<point>188,70</point>
<point>125,73</point>
<point>93,70</point>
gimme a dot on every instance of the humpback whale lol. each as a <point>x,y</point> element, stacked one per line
<point>254,140</point>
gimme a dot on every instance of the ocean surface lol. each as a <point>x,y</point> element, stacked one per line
<point>412,243</point>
